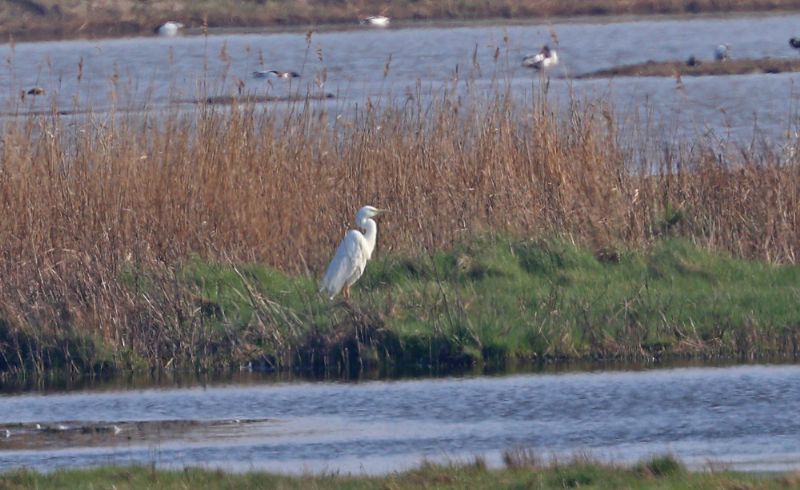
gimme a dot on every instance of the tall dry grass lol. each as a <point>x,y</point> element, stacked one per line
<point>86,203</point>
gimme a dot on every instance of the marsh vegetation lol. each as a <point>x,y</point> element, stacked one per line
<point>522,471</point>
<point>519,232</point>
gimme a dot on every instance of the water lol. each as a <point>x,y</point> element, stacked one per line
<point>151,72</point>
<point>743,417</point>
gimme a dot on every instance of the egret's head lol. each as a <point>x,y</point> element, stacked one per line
<point>368,212</point>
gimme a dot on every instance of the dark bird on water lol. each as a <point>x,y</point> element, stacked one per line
<point>32,91</point>
<point>275,73</point>
<point>795,42</point>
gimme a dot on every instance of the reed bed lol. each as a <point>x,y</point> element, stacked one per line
<point>103,214</point>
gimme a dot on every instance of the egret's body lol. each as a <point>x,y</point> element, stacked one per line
<point>352,255</point>
<point>376,20</point>
<point>169,29</point>
<point>722,52</point>
<point>542,60</point>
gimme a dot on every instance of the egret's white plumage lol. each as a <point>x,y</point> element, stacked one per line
<point>352,255</point>
<point>545,58</point>
<point>376,20</point>
<point>169,29</point>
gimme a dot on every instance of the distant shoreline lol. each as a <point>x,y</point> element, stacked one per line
<point>701,68</point>
<point>43,20</point>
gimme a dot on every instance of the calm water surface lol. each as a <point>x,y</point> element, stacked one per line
<point>151,72</point>
<point>744,417</point>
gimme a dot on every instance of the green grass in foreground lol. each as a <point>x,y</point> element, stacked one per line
<point>492,300</point>
<point>661,472</point>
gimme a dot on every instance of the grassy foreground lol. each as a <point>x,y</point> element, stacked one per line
<point>660,472</point>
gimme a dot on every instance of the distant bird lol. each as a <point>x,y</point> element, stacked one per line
<point>169,29</point>
<point>117,429</point>
<point>7,433</point>
<point>692,61</point>
<point>275,73</point>
<point>32,91</point>
<point>795,42</point>
<point>722,52</point>
<point>544,59</point>
<point>376,20</point>
<point>352,255</point>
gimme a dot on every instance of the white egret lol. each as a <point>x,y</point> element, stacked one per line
<point>352,255</point>
<point>169,29</point>
<point>545,58</point>
<point>376,20</point>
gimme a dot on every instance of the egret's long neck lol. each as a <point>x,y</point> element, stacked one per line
<point>371,234</point>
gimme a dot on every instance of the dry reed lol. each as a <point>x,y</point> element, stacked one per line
<point>86,203</point>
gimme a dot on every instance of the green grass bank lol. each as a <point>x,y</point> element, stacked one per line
<point>492,301</point>
<point>661,472</point>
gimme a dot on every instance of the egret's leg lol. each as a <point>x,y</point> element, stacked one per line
<point>346,292</point>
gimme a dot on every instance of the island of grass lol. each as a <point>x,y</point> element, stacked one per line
<point>492,301</point>
<point>525,471</point>
<point>519,234</point>
<point>698,68</point>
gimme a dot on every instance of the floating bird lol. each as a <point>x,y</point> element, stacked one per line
<point>275,73</point>
<point>352,255</point>
<point>169,29</point>
<point>722,52</point>
<point>32,91</point>
<point>544,59</point>
<point>376,20</point>
<point>692,61</point>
